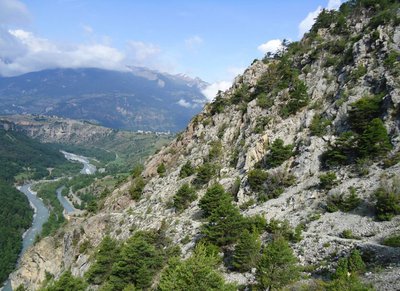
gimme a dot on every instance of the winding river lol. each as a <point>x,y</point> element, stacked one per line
<point>41,211</point>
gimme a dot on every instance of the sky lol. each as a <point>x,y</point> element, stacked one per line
<point>214,40</point>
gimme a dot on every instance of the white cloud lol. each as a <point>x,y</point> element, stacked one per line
<point>13,12</point>
<point>193,42</point>
<point>141,51</point>
<point>271,46</point>
<point>184,103</point>
<point>306,24</point>
<point>334,4</point>
<point>211,91</point>
<point>26,53</point>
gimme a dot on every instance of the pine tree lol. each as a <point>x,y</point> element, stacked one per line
<point>246,251</point>
<point>224,225</point>
<point>214,197</point>
<point>105,257</point>
<point>277,265</point>
<point>374,141</point>
<point>184,196</point>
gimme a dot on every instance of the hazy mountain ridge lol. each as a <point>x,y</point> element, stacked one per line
<point>293,138</point>
<point>138,99</point>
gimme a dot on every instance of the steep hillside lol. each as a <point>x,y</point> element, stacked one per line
<point>304,149</point>
<point>138,99</point>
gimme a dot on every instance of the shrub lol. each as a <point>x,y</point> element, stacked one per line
<point>342,202</point>
<point>261,123</point>
<point>264,101</point>
<point>298,99</point>
<point>374,142</point>
<point>387,197</point>
<point>269,186</point>
<point>282,228</point>
<point>187,170</point>
<point>347,233</point>
<point>327,181</point>
<point>278,153</point>
<point>219,104</point>
<point>183,197</point>
<point>67,282</point>
<point>136,189</point>
<point>240,94</point>
<point>319,125</point>
<point>199,272</point>
<point>277,265</point>
<point>357,73</point>
<point>363,111</point>
<point>392,241</point>
<point>215,150</point>
<point>204,174</point>
<point>161,170</point>
<point>342,152</point>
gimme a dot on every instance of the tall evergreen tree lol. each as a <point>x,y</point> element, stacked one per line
<point>247,251</point>
<point>277,266</point>
<point>106,256</point>
<point>214,197</point>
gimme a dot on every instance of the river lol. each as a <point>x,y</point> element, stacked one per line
<point>41,211</point>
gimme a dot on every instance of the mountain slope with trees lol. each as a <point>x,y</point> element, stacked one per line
<point>297,163</point>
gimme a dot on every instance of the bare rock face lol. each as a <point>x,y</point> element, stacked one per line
<point>245,132</point>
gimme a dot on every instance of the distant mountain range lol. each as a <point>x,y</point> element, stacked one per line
<point>137,99</point>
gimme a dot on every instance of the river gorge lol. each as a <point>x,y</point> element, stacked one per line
<point>41,212</point>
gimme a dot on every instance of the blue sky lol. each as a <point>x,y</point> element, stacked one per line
<point>213,40</point>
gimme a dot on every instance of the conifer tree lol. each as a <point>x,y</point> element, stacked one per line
<point>246,251</point>
<point>277,266</point>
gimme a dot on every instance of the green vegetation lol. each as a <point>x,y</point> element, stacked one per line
<point>136,189</point>
<point>298,99</point>
<point>183,197</point>
<point>343,202</point>
<point>20,154</point>
<point>387,198</point>
<point>196,273</point>
<point>328,181</point>
<point>346,274</point>
<point>283,229</point>
<point>205,173</point>
<point>319,125</point>
<point>107,254</point>
<point>277,266</point>
<point>278,153</point>
<point>368,138</point>
<point>187,170</point>
<point>135,263</point>
<point>247,251</point>
<point>214,197</point>
<point>15,218</point>
<point>224,223</point>
<point>215,150</point>
<point>269,185</point>
<point>67,282</point>
<point>161,170</point>
<point>392,241</point>
<point>47,191</point>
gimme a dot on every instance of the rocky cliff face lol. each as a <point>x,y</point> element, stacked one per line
<point>55,129</point>
<point>304,97</point>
